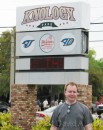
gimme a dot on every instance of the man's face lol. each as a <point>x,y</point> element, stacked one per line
<point>71,93</point>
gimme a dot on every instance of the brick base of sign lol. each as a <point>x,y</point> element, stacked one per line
<point>85,95</point>
<point>23,105</point>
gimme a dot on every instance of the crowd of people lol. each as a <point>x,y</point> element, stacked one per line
<point>45,104</point>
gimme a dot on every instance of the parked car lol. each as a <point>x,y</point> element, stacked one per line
<point>100,109</point>
<point>48,112</point>
<point>4,106</point>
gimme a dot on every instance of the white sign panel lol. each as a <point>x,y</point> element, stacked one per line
<point>55,16</point>
<point>61,42</point>
<point>48,78</point>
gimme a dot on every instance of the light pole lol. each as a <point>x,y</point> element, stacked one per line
<point>12,66</point>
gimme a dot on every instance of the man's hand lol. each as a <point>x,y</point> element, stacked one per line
<point>88,127</point>
<point>53,127</point>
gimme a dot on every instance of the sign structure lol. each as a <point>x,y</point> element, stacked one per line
<point>52,43</point>
<point>53,17</point>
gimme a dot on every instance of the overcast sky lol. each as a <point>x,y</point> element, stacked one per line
<point>8,18</point>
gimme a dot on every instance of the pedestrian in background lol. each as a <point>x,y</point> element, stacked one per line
<point>71,115</point>
<point>45,104</point>
<point>52,103</point>
<point>38,105</point>
<point>56,102</point>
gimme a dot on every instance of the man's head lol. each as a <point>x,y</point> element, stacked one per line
<point>71,92</point>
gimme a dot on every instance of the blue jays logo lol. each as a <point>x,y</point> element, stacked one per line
<point>27,43</point>
<point>67,41</point>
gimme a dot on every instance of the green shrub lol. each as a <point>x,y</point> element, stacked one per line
<point>42,124</point>
<point>4,119</point>
<point>97,124</point>
<point>5,123</point>
<point>10,127</point>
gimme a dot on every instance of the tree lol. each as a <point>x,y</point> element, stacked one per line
<point>95,74</point>
<point>5,59</point>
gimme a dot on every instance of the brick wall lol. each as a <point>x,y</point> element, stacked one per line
<point>23,105</point>
<point>85,94</point>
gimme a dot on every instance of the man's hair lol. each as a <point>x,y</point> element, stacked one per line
<point>70,83</point>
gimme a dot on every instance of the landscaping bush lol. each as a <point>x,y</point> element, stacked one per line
<point>10,127</point>
<point>4,119</point>
<point>5,123</point>
<point>97,124</point>
<point>42,124</point>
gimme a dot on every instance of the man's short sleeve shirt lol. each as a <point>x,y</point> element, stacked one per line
<point>76,119</point>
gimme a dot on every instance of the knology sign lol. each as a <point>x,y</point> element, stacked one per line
<point>51,43</point>
<point>57,16</point>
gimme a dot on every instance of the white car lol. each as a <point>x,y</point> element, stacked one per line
<point>48,112</point>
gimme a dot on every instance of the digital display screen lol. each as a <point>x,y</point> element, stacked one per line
<point>47,63</point>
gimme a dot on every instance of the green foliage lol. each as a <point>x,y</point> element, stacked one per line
<point>5,123</point>
<point>10,127</point>
<point>94,99</point>
<point>97,124</point>
<point>42,124</point>
<point>5,59</point>
<point>4,118</point>
<point>5,62</point>
<point>95,74</point>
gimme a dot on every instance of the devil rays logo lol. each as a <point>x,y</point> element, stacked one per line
<point>67,42</point>
<point>27,44</point>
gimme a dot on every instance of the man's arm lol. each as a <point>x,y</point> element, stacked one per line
<point>88,127</point>
<point>53,127</point>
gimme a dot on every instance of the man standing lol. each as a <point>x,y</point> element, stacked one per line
<point>45,104</point>
<point>71,115</point>
<point>38,105</point>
